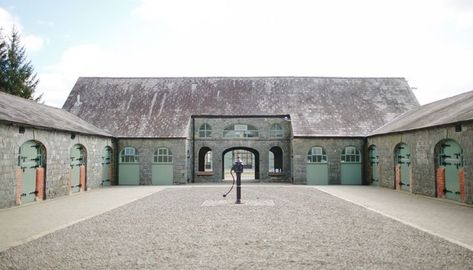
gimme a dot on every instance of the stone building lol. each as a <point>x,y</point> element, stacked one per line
<point>280,119</point>
<point>428,150</point>
<point>47,152</point>
<point>300,130</point>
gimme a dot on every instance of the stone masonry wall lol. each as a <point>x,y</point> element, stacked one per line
<point>332,146</point>
<point>58,145</point>
<point>422,145</point>
<point>146,148</point>
<point>263,143</point>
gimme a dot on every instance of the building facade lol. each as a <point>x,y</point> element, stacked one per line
<point>299,130</point>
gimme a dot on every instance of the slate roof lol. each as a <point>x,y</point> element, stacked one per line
<point>26,112</point>
<point>446,111</point>
<point>162,107</point>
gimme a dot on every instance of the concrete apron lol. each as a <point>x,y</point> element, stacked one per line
<point>22,224</point>
<point>443,218</point>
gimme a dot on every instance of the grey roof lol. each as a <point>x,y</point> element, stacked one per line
<point>27,112</point>
<point>162,107</point>
<point>447,111</point>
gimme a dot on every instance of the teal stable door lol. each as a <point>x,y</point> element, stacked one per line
<point>404,161</point>
<point>374,165</point>
<point>77,160</point>
<point>451,159</point>
<point>29,160</point>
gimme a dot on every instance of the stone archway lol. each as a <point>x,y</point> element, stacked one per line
<point>255,161</point>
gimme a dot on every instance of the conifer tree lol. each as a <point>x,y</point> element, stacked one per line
<point>3,61</point>
<point>17,74</point>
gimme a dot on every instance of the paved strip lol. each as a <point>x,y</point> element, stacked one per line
<point>19,225</point>
<point>448,220</point>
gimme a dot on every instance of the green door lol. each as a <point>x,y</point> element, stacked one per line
<point>129,167</point>
<point>374,161</point>
<point>162,168</point>
<point>29,160</point>
<point>106,160</point>
<point>77,160</point>
<point>404,161</point>
<point>162,174</point>
<point>129,174</point>
<point>350,166</point>
<point>317,173</point>
<point>451,158</point>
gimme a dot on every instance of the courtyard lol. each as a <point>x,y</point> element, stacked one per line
<point>276,227</point>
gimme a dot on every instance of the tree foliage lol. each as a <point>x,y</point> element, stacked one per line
<point>17,76</point>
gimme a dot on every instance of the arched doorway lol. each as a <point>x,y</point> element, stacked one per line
<point>317,166</point>
<point>402,161</point>
<point>106,167</point>
<point>78,168</point>
<point>350,160</point>
<point>450,175</point>
<point>162,168</point>
<point>275,159</point>
<point>205,160</point>
<point>250,158</point>
<point>129,166</point>
<point>32,163</point>
<point>374,165</point>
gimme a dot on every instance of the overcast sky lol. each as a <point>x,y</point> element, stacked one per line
<point>430,42</point>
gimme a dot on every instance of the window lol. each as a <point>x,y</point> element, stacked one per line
<point>205,131</point>
<point>351,154</point>
<point>129,155</point>
<point>163,155</point>
<point>240,131</point>
<point>276,131</point>
<point>317,155</point>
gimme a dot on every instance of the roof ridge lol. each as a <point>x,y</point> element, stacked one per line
<point>236,77</point>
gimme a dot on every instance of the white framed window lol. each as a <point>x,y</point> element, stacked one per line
<point>162,155</point>
<point>351,155</point>
<point>129,155</point>
<point>316,154</point>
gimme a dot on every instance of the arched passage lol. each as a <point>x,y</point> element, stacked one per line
<point>32,163</point>
<point>78,162</point>
<point>450,176</point>
<point>249,156</point>
<point>275,159</point>
<point>205,159</point>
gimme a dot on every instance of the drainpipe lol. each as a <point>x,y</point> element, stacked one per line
<point>193,149</point>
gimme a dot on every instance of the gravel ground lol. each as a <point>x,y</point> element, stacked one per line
<point>305,229</point>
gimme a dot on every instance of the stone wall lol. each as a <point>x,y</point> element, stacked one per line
<point>422,145</point>
<point>262,144</point>
<point>332,146</point>
<point>58,145</point>
<point>146,148</point>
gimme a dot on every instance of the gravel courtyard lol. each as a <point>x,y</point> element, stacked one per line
<point>279,228</point>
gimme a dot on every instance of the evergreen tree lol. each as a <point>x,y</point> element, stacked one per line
<point>18,77</point>
<point>3,61</point>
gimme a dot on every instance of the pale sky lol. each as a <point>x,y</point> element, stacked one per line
<point>429,42</point>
